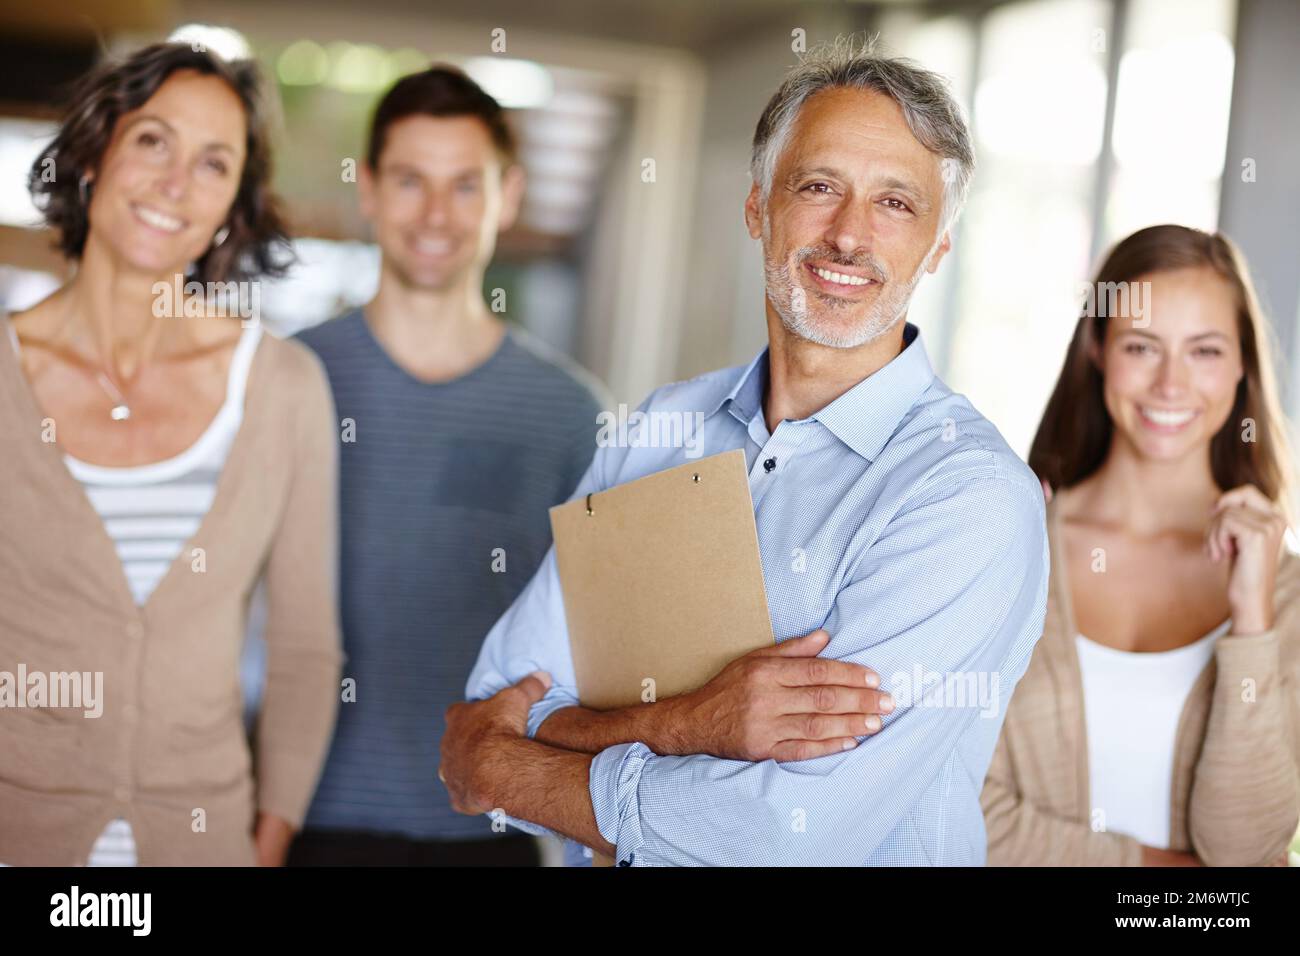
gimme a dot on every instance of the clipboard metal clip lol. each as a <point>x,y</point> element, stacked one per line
<point>695,478</point>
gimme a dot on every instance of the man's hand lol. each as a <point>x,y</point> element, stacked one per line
<point>271,839</point>
<point>472,728</point>
<point>781,703</point>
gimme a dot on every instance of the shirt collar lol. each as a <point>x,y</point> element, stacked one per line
<point>746,396</point>
<point>868,414</point>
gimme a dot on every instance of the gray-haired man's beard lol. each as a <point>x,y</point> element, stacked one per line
<point>805,314</point>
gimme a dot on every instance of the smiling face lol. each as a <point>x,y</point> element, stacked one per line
<point>1170,387</point>
<point>852,220</point>
<point>438,199</point>
<point>169,174</point>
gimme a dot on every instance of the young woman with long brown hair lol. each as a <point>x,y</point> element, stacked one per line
<point>1158,721</point>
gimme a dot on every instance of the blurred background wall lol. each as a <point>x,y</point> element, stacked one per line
<point>1091,118</point>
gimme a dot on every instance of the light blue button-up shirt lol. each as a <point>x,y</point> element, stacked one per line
<point>897,519</point>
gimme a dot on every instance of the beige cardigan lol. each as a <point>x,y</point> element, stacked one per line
<point>169,752</point>
<point>1235,797</point>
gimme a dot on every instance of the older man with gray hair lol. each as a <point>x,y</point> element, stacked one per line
<point>903,543</point>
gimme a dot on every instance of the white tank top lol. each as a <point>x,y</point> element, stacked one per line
<point>1132,703</point>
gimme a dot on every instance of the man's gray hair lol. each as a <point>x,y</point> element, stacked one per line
<point>935,118</point>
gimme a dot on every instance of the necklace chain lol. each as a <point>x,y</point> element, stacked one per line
<point>121,409</point>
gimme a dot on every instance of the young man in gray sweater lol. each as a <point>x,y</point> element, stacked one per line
<point>458,433</point>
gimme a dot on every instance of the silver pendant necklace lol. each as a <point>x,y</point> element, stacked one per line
<point>120,411</point>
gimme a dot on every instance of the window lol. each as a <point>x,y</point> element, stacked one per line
<point>1049,193</point>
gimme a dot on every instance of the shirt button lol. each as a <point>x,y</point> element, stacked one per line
<point>769,465</point>
<point>135,630</point>
<point>628,861</point>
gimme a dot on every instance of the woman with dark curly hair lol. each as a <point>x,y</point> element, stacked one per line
<point>160,455</point>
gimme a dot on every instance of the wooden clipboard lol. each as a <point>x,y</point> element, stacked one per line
<point>662,581</point>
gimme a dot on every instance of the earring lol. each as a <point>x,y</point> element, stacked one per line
<point>220,237</point>
<point>83,189</point>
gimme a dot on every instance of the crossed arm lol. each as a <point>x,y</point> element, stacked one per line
<point>781,703</point>
<point>489,766</point>
<point>979,614</point>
